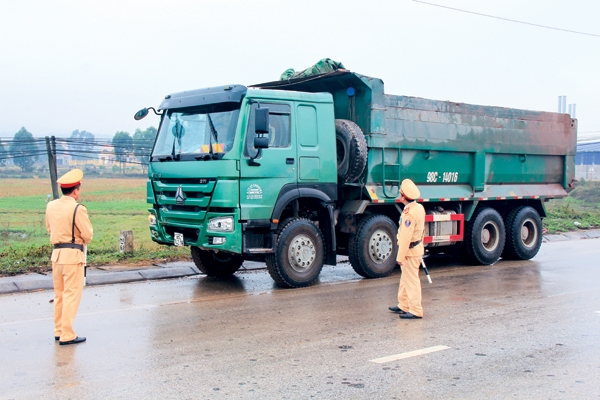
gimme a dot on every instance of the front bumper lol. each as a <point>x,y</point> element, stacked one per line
<point>196,233</point>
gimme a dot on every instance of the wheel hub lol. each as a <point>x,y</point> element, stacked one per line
<point>380,246</point>
<point>529,233</point>
<point>490,236</point>
<point>302,253</point>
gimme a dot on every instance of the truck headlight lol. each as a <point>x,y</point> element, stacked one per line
<point>152,219</point>
<point>221,224</point>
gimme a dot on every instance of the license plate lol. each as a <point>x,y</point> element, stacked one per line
<point>178,239</point>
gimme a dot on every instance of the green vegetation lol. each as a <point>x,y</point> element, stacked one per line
<point>581,210</point>
<point>117,204</point>
<point>113,205</point>
<point>24,150</point>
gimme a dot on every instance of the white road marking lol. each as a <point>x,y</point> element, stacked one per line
<point>409,354</point>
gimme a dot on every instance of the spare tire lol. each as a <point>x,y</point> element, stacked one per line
<point>351,147</point>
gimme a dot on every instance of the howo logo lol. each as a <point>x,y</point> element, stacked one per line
<point>179,196</point>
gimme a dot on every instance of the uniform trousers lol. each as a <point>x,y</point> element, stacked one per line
<point>409,294</point>
<point>68,287</point>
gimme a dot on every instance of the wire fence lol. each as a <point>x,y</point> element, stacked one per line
<point>79,149</point>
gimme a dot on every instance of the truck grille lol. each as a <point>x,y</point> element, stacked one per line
<point>196,199</point>
<point>184,208</point>
<point>193,195</point>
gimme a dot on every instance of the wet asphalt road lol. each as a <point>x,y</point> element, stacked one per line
<point>516,329</point>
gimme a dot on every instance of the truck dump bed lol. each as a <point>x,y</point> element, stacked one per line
<point>451,150</point>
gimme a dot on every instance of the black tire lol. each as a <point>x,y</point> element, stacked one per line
<point>216,264</point>
<point>523,234</point>
<point>351,147</point>
<point>299,254</point>
<point>373,248</point>
<point>484,237</point>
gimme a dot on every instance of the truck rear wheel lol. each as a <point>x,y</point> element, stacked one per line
<point>373,248</point>
<point>523,234</point>
<point>216,264</point>
<point>298,257</point>
<point>351,147</point>
<point>484,237</point>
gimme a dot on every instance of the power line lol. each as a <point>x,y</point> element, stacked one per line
<point>23,156</point>
<point>99,141</point>
<point>115,161</point>
<point>505,19</point>
<point>24,141</point>
<point>73,153</point>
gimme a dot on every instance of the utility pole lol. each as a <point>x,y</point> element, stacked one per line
<point>52,166</point>
<point>53,148</point>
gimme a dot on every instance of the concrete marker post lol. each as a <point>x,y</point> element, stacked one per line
<point>126,242</point>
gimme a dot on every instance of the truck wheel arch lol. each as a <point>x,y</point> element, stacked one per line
<point>290,194</point>
<point>325,199</point>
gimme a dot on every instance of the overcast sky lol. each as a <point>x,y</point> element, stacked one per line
<point>90,65</point>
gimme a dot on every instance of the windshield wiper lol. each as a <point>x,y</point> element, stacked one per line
<point>178,132</point>
<point>173,155</point>
<point>214,134</point>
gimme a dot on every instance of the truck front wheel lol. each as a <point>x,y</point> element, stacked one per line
<point>484,237</point>
<point>523,234</point>
<point>372,250</point>
<point>298,257</point>
<point>216,264</point>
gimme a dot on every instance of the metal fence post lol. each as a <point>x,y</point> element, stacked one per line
<point>52,168</point>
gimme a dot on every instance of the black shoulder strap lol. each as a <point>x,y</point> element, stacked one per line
<point>73,226</point>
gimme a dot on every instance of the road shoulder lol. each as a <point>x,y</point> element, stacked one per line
<point>125,273</point>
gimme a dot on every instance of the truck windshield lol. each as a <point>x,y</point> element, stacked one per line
<point>196,133</point>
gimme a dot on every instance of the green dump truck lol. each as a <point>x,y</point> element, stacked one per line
<point>296,172</point>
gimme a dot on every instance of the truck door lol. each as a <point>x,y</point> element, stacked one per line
<point>260,184</point>
<point>309,161</point>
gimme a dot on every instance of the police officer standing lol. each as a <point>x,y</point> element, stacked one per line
<point>410,252</point>
<point>70,230</point>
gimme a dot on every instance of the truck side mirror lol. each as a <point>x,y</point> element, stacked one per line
<point>261,127</point>
<point>140,114</point>
<point>261,120</point>
<point>261,142</point>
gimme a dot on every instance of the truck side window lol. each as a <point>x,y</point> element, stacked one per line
<point>279,127</point>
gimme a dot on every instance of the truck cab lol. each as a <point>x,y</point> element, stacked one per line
<point>220,183</point>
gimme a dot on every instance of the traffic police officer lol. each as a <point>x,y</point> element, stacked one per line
<point>70,230</point>
<point>410,252</point>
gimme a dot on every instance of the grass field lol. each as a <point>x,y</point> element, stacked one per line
<point>581,210</point>
<point>113,205</point>
<point>117,204</point>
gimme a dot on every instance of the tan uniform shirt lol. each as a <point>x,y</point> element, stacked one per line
<point>59,222</point>
<point>412,225</point>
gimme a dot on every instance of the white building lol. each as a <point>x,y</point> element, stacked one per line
<point>587,161</point>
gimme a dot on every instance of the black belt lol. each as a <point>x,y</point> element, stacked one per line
<point>414,244</point>
<point>71,245</point>
<point>68,246</point>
